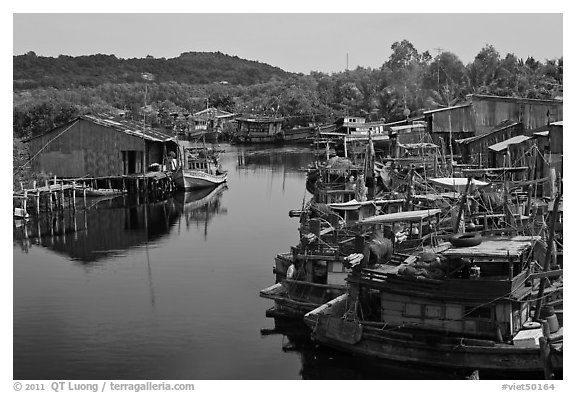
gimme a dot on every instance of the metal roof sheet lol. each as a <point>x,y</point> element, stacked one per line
<point>130,127</point>
<point>500,146</point>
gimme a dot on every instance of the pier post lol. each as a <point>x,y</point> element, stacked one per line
<point>36,198</point>
<point>24,202</point>
<point>62,195</point>
<point>50,198</point>
<point>74,195</point>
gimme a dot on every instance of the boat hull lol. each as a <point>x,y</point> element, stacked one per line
<point>193,180</point>
<point>402,345</point>
<point>258,138</point>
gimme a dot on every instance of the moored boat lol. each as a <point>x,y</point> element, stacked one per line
<point>200,168</point>
<point>462,308</point>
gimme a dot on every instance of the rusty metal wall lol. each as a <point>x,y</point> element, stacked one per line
<point>86,149</point>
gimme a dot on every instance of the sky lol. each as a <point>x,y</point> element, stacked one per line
<point>295,42</point>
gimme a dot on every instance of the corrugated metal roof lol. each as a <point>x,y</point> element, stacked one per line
<point>498,128</point>
<point>130,127</point>
<point>213,112</point>
<point>447,109</point>
<point>261,119</point>
<point>126,126</point>
<point>512,141</point>
<point>558,123</point>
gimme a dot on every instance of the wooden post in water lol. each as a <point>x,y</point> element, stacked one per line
<point>24,201</point>
<point>50,198</point>
<point>36,198</point>
<point>62,195</point>
<point>74,196</point>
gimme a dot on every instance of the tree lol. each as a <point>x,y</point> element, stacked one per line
<point>484,68</point>
<point>403,54</point>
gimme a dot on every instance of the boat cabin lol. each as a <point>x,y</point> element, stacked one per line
<point>480,291</point>
<point>412,229</point>
<point>259,129</point>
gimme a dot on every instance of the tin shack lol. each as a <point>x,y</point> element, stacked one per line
<point>97,146</point>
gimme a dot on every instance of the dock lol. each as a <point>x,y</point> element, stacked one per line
<point>58,194</point>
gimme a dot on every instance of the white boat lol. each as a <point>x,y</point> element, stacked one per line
<point>199,169</point>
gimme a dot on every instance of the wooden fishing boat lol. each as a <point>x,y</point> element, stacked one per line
<point>299,134</point>
<point>210,135</point>
<point>258,129</point>
<point>200,168</point>
<point>468,308</point>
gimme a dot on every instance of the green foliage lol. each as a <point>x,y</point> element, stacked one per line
<point>51,91</point>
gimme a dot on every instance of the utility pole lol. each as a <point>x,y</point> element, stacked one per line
<point>438,70</point>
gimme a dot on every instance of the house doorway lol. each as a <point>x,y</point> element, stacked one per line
<point>132,161</point>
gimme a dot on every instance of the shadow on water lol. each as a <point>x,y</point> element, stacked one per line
<point>108,227</point>
<point>328,364</point>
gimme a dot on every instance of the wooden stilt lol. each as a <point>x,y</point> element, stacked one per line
<point>62,195</point>
<point>37,200</point>
<point>24,201</point>
<point>74,196</point>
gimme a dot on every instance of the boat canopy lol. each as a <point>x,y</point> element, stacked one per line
<point>457,184</point>
<point>354,204</point>
<point>496,248</point>
<point>409,216</point>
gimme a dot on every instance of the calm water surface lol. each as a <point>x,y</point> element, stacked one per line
<point>169,290</point>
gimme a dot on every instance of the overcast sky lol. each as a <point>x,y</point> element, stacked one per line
<point>293,42</point>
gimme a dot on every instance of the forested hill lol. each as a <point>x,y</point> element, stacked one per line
<point>32,71</point>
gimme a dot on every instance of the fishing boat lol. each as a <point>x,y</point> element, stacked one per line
<point>469,308</point>
<point>199,168</point>
<point>258,129</point>
<point>299,134</point>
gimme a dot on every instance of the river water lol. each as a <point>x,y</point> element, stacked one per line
<point>169,290</point>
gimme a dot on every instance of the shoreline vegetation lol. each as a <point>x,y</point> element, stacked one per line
<point>50,91</point>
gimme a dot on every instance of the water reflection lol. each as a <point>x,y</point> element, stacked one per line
<point>108,227</point>
<point>199,207</point>
<point>169,289</point>
<point>290,159</point>
<point>324,363</point>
